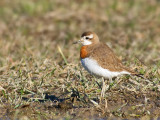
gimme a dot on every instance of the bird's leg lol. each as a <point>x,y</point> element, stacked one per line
<point>103,88</point>
<point>110,80</point>
<point>110,83</point>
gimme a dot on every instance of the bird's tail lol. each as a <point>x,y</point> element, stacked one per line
<point>132,72</point>
<point>135,73</point>
<point>138,75</point>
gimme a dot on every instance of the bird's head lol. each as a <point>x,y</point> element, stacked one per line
<point>88,38</point>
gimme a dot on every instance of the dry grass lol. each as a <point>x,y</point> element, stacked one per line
<point>40,73</point>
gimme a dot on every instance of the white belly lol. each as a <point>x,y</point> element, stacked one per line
<point>93,68</point>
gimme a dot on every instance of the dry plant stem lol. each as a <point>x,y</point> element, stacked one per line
<point>64,58</point>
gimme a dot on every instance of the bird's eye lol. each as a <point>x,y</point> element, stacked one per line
<point>87,38</point>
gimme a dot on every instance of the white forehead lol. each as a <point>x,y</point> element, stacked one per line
<point>90,36</point>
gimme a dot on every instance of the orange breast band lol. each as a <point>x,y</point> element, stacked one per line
<point>83,52</point>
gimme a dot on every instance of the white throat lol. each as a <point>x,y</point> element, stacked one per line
<point>86,42</point>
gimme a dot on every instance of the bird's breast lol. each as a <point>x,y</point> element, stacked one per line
<point>83,52</point>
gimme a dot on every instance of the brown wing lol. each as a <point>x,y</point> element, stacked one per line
<point>107,59</point>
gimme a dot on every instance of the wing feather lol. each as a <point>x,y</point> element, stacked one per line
<point>107,59</point>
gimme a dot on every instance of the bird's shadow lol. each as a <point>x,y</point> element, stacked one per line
<point>47,97</point>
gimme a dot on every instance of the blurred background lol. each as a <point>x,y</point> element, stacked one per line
<point>34,28</point>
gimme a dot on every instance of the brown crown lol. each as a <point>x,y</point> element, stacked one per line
<point>87,33</point>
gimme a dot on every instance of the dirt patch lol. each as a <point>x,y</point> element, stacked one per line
<point>123,104</point>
